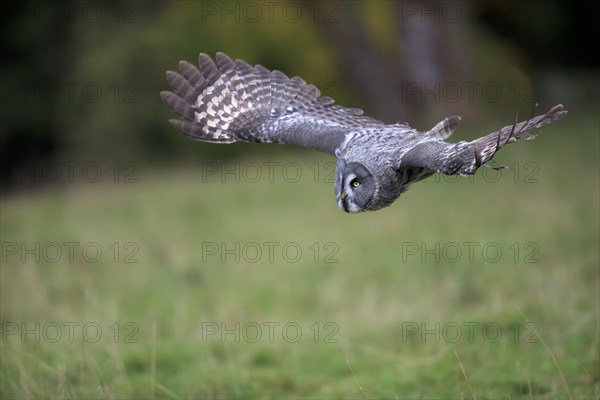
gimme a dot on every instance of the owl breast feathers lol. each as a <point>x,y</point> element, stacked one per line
<point>231,101</point>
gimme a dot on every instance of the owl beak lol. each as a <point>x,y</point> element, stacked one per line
<point>344,204</point>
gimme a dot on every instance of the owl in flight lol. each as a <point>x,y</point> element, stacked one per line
<point>231,101</point>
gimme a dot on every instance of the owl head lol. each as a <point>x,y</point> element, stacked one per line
<point>355,187</point>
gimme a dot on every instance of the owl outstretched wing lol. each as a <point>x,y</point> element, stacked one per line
<point>231,101</point>
<point>464,158</point>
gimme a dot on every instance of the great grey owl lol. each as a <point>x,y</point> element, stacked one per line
<point>231,101</point>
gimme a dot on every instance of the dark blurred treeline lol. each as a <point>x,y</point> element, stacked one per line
<point>80,79</point>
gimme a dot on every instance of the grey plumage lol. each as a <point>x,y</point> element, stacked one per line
<point>231,101</point>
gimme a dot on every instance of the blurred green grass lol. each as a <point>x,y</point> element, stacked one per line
<point>368,297</point>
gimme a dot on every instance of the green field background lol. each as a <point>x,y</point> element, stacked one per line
<point>375,310</point>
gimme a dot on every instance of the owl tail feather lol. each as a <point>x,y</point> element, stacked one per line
<point>486,147</point>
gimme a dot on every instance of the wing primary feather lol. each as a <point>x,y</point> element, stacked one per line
<point>208,68</point>
<point>179,105</point>
<point>192,75</point>
<point>226,100</point>
<point>182,87</point>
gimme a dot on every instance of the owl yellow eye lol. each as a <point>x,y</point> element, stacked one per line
<point>355,183</point>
